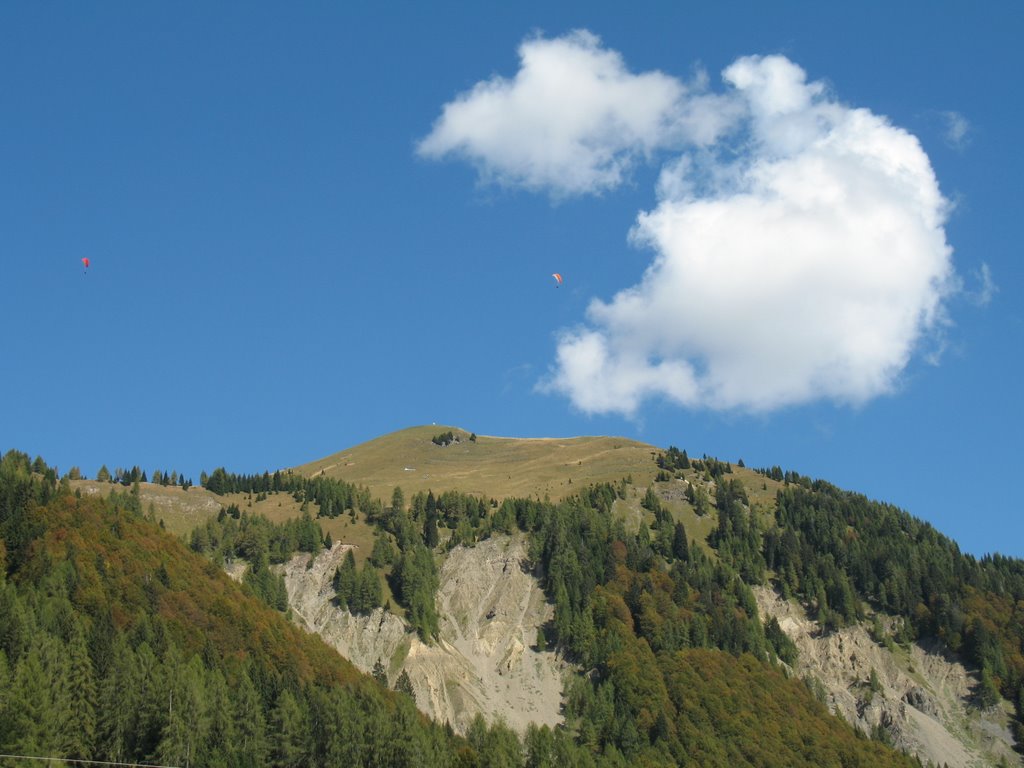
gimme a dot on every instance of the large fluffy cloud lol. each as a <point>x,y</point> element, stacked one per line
<point>572,120</point>
<point>799,244</point>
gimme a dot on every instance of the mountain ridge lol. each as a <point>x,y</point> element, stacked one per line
<point>489,466</point>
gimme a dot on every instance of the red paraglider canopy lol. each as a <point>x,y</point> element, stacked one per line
<point>85,261</point>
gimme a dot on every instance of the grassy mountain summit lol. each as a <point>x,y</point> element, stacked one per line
<point>492,467</point>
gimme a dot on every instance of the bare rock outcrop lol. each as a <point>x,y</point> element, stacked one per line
<point>921,696</point>
<point>485,660</point>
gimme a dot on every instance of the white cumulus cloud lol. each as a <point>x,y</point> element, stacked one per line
<point>799,250</point>
<point>808,268</point>
<point>572,120</point>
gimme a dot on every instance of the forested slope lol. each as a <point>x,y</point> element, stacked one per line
<point>118,642</point>
<point>839,550</point>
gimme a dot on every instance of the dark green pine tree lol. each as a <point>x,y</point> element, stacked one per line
<point>416,577</point>
<point>680,546</point>
<point>5,688</point>
<point>563,614</point>
<point>430,534</point>
<point>38,725</point>
<point>187,718</point>
<point>987,694</point>
<point>289,732</point>
<point>404,685</point>
<point>369,595</point>
<point>498,745</point>
<point>281,594</point>
<point>651,501</point>
<point>81,688</point>
<point>16,629</point>
<point>220,746</point>
<point>250,725</point>
<point>539,744</point>
<point>345,579</point>
<point>152,701</point>
<point>118,699</point>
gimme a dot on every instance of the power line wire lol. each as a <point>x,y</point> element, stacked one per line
<point>77,761</point>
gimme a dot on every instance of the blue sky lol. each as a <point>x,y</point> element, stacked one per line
<point>283,265</point>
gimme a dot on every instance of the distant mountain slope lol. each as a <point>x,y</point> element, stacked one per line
<point>493,467</point>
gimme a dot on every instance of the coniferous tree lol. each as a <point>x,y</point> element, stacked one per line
<point>651,501</point>
<point>118,703</point>
<point>369,590</point>
<point>290,732</point>
<point>81,686</point>
<point>220,745</point>
<point>187,717</point>
<point>345,580</point>
<point>404,685</point>
<point>701,500</point>
<point>415,575</point>
<point>280,600</point>
<point>680,545</point>
<point>250,725</point>
<point>40,719</point>
<point>5,700</point>
<point>430,534</point>
<point>987,694</point>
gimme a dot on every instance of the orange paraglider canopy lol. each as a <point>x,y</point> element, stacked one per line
<point>557,277</point>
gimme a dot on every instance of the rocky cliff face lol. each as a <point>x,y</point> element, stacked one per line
<point>484,661</point>
<point>923,696</point>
